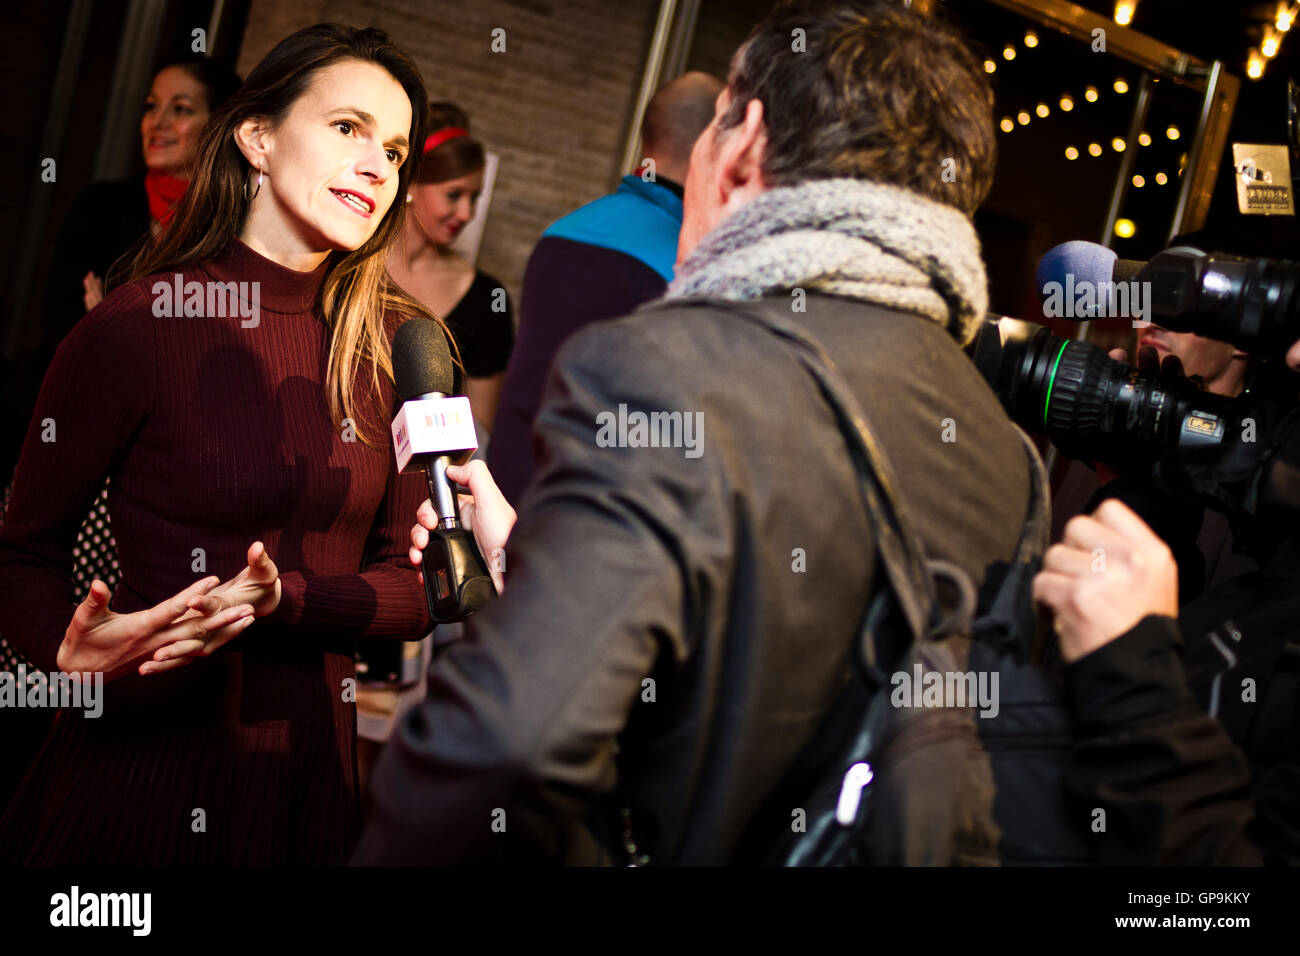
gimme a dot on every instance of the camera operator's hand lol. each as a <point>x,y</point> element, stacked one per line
<point>1108,573</point>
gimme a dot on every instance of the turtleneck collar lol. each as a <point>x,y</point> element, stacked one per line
<point>281,289</point>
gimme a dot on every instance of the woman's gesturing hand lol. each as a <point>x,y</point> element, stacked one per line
<point>485,512</point>
<point>257,586</point>
<point>101,640</point>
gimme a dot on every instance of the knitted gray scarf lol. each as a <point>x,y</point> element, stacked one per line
<point>849,237</point>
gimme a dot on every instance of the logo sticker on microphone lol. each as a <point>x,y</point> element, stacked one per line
<point>432,426</point>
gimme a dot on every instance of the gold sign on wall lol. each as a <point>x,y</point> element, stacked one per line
<point>1263,176</point>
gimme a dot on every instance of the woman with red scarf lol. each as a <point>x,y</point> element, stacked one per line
<point>108,219</point>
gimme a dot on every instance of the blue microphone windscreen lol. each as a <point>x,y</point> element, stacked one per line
<point>1087,261</point>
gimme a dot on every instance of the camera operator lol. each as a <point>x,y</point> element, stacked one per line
<point>1200,537</point>
<point>1193,755</point>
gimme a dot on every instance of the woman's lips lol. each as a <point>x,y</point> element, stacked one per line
<point>363,213</point>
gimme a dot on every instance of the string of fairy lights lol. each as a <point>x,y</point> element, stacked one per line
<point>1067,104</point>
<point>1284,17</point>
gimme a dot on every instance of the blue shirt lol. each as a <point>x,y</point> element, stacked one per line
<point>640,219</point>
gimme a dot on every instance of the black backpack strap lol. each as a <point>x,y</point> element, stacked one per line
<point>1009,623</point>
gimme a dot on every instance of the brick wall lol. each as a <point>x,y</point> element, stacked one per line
<point>555,105</point>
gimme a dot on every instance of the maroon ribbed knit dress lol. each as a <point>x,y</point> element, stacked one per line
<point>214,436</point>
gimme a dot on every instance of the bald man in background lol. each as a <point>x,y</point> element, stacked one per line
<point>599,262</point>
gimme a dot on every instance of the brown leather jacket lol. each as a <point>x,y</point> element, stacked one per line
<point>677,622</point>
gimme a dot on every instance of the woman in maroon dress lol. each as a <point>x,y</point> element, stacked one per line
<point>237,390</point>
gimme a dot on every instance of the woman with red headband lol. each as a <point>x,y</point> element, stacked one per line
<point>473,304</point>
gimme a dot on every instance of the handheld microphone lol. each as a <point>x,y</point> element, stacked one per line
<point>1076,262</point>
<point>431,428</point>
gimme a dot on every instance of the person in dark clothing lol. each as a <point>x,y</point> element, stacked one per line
<point>679,611</point>
<point>1188,720</point>
<point>599,262</point>
<point>248,442</point>
<point>440,202</point>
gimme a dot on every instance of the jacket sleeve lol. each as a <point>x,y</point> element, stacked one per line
<point>1173,787</point>
<point>85,418</point>
<point>617,556</point>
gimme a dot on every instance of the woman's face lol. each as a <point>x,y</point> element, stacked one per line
<point>443,209</point>
<point>175,112</point>
<point>331,166</point>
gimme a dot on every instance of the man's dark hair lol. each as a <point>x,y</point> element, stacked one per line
<point>879,92</point>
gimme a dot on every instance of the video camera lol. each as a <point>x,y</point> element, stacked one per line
<point>1138,417</point>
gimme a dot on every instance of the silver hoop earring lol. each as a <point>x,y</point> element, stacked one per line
<point>255,191</point>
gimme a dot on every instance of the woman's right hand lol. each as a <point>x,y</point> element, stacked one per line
<point>101,640</point>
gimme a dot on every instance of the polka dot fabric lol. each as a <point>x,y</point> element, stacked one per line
<point>94,556</point>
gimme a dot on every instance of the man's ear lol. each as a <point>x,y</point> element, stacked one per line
<point>253,137</point>
<point>741,164</point>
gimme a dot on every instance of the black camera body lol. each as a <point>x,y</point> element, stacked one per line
<point>1190,441</point>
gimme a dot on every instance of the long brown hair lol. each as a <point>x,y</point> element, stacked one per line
<point>357,290</point>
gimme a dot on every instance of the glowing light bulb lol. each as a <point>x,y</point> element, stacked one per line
<point>1007,125</point>
<point>1091,94</point>
<point>1031,39</point>
<point>990,66</point>
<point>1067,104</point>
<point>1094,149</point>
<point>1125,228</point>
<point>1009,53</point>
<point>1071,153</point>
<point>1254,65</point>
<point>1042,110</point>
<point>1161,179</point>
<point>1022,118</point>
<point>1139,182</point>
<point>1124,12</point>
<point>1172,132</point>
<point>1144,139</point>
<point>1121,86</point>
<point>1117,144</point>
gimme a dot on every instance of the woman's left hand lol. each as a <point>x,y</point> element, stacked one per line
<point>257,585</point>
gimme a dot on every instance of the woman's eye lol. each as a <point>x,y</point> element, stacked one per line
<point>344,123</point>
<point>395,156</point>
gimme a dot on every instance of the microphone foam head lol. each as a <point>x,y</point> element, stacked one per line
<point>421,360</point>
<point>1087,261</point>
